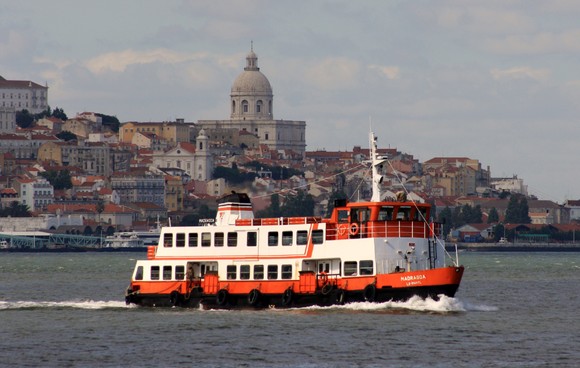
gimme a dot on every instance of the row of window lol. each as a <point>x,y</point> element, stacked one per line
<point>256,272</point>
<point>232,239</point>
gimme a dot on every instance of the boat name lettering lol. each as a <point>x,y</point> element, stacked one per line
<point>413,277</point>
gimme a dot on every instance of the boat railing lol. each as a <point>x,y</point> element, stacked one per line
<point>383,229</point>
<point>278,221</point>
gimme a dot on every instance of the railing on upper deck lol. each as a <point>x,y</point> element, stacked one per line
<point>383,229</point>
<point>278,221</point>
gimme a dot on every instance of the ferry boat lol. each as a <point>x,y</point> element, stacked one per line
<point>132,239</point>
<point>371,251</point>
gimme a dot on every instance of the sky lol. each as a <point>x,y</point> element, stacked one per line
<point>495,80</point>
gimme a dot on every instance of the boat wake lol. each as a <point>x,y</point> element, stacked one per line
<point>415,304</point>
<point>72,304</point>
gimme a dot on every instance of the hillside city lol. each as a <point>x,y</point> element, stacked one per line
<point>91,174</point>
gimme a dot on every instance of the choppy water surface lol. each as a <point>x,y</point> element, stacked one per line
<point>512,310</point>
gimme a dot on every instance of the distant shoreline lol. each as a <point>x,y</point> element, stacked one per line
<point>514,247</point>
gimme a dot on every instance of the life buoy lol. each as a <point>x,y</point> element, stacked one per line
<point>370,293</point>
<point>287,297</point>
<point>323,277</point>
<point>326,289</point>
<point>342,229</point>
<point>254,297</point>
<point>222,297</point>
<point>353,230</point>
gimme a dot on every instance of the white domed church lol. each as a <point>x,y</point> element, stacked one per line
<point>252,111</point>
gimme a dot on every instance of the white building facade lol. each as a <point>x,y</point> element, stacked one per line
<point>23,95</point>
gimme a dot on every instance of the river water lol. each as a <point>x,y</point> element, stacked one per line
<point>68,310</point>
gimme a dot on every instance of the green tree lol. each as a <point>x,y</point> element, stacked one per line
<point>274,209</point>
<point>15,209</point>
<point>65,135</point>
<point>110,122</point>
<point>493,216</point>
<point>59,114</point>
<point>302,204</point>
<point>517,211</point>
<point>59,179</point>
<point>446,218</point>
<point>24,119</point>
<point>333,197</point>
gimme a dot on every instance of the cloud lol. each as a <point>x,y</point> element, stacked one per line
<point>333,73</point>
<point>15,44</point>
<point>538,43</point>
<point>390,72</point>
<point>521,72</point>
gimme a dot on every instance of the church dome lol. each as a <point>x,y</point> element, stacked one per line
<point>251,80</point>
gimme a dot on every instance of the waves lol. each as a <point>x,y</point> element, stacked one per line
<point>415,304</point>
<point>73,304</point>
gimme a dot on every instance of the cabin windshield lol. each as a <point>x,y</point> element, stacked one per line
<point>343,216</point>
<point>360,214</point>
<point>386,213</point>
<point>404,213</point>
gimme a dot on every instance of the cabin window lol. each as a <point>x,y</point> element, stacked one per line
<point>272,272</point>
<point>139,273</point>
<point>193,239</point>
<point>244,272</point>
<point>424,214</point>
<point>350,268</point>
<point>343,216</point>
<point>218,239</point>
<point>272,238</point>
<point>366,267</point>
<point>179,272</point>
<point>154,272</point>
<point>404,213</point>
<point>318,236</point>
<point>252,239</point>
<point>167,240</point>
<point>286,272</point>
<point>302,237</point>
<point>360,214</point>
<point>386,213</point>
<point>232,239</point>
<point>286,237</point>
<point>205,239</point>
<point>258,272</point>
<point>180,240</point>
<point>231,272</point>
<point>167,272</point>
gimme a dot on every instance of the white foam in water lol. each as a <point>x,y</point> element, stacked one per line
<point>82,304</point>
<point>445,304</point>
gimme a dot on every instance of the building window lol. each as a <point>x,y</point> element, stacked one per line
<point>259,106</point>
<point>245,106</point>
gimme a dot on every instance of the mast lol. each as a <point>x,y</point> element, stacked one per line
<point>376,162</point>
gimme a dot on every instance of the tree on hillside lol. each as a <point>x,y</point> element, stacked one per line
<point>110,122</point>
<point>15,209</point>
<point>335,195</point>
<point>493,216</point>
<point>59,114</point>
<point>59,179</point>
<point>446,218</point>
<point>517,211</point>
<point>66,136</point>
<point>24,119</point>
